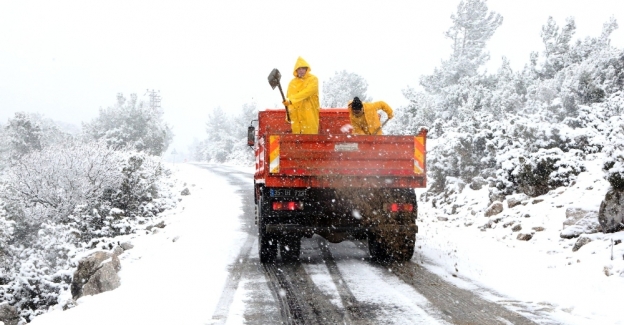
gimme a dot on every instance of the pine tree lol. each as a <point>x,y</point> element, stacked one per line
<point>24,136</point>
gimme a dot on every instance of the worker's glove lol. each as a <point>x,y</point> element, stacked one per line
<point>347,128</point>
<point>390,117</point>
<point>286,102</point>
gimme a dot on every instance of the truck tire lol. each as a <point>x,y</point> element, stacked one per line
<point>395,246</point>
<point>398,247</point>
<point>376,249</point>
<point>267,244</point>
<point>290,248</point>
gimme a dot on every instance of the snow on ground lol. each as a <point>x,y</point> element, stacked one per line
<point>544,271</point>
<point>177,275</point>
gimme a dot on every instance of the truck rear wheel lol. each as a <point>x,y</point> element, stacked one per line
<point>290,248</point>
<point>267,244</point>
<point>389,247</point>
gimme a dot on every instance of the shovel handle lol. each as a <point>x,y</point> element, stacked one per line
<point>283,99</point>
<point>379,128</point>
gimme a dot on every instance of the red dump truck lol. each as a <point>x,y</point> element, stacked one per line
<point>339,186</point>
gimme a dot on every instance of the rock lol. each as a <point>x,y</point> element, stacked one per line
<point>525,237</point>
<point>578,222</point>
<point>185,191</point>
<point>538,228</point>
<point>573,215</point>
<point>442,219</point>
<point>126,246</point>
<point>494,209</point>
<point>8,314</point>
<point>516,228</point>
<point>478,183</point>
<point>118,250</point>
<point>95,274</point>
<point>536,201</point>
<point>611,213</point>
<point>526,215</point>
<point>580,243</point>
<point>515,200</point>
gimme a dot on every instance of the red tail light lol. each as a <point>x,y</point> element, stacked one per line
<point>287,206</point>
<point>399,207</point>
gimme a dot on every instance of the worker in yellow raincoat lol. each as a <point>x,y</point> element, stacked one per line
<point>303,100</point>
<point>364,116</point>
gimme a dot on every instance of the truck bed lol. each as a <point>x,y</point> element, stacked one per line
<point>333,159</point>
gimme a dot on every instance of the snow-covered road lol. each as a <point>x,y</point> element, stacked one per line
<point>203,268</point>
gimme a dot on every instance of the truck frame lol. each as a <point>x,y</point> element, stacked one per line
<point>339,186</point>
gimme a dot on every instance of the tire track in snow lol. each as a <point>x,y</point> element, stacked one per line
<point>459,306</point>
<point>354,313</point>
<point>231,285</point>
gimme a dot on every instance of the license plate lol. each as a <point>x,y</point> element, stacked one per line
<point>287,193</point>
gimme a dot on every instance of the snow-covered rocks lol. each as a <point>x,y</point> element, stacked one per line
<point>524,236</point>
<point>579,221</point>
<point>96,273</point>
<point>494,209</point>
<point>582,241</point>
<point>515,200</point>
<point>611,214</point>
<point>8,314</point>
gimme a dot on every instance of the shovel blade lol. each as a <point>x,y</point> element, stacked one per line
<point>274,78</point>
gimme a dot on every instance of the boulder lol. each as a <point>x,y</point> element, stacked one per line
<point>95,274</point>
<point>579,221</point>
<point>517,227</point>
<point>126,246</point>
<point>494,209</point>
<point>611,213</point>
<point>515,200</point>
<point>185,192</point>
<point>525,237</point>
<point>580,243</point>
<point>8,314</point>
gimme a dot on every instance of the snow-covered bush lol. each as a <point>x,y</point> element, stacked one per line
<point>63,199</point>
<point>537,173</point>
<point>614,154</point>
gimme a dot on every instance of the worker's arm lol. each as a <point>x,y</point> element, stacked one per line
<point>384,107</point>
<point>310,89</point>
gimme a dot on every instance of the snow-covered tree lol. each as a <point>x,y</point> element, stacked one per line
<point>131,124</point>
<point>342,87</point>
<point>219,140</point>
<point>24,135</point>
<point>473,25</point>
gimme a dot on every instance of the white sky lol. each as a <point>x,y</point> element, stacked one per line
<point>66,59</point>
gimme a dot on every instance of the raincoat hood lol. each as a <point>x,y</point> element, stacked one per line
<point>301,63</point>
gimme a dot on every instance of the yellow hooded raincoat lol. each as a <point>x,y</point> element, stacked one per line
<point>303,94</point>
<point>369,121</point>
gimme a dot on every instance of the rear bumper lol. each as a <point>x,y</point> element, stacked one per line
<point>302,230</point>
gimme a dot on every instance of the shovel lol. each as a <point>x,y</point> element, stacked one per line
<point>274,80</point>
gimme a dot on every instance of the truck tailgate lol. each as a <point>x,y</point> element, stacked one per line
<point>346,155</point>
